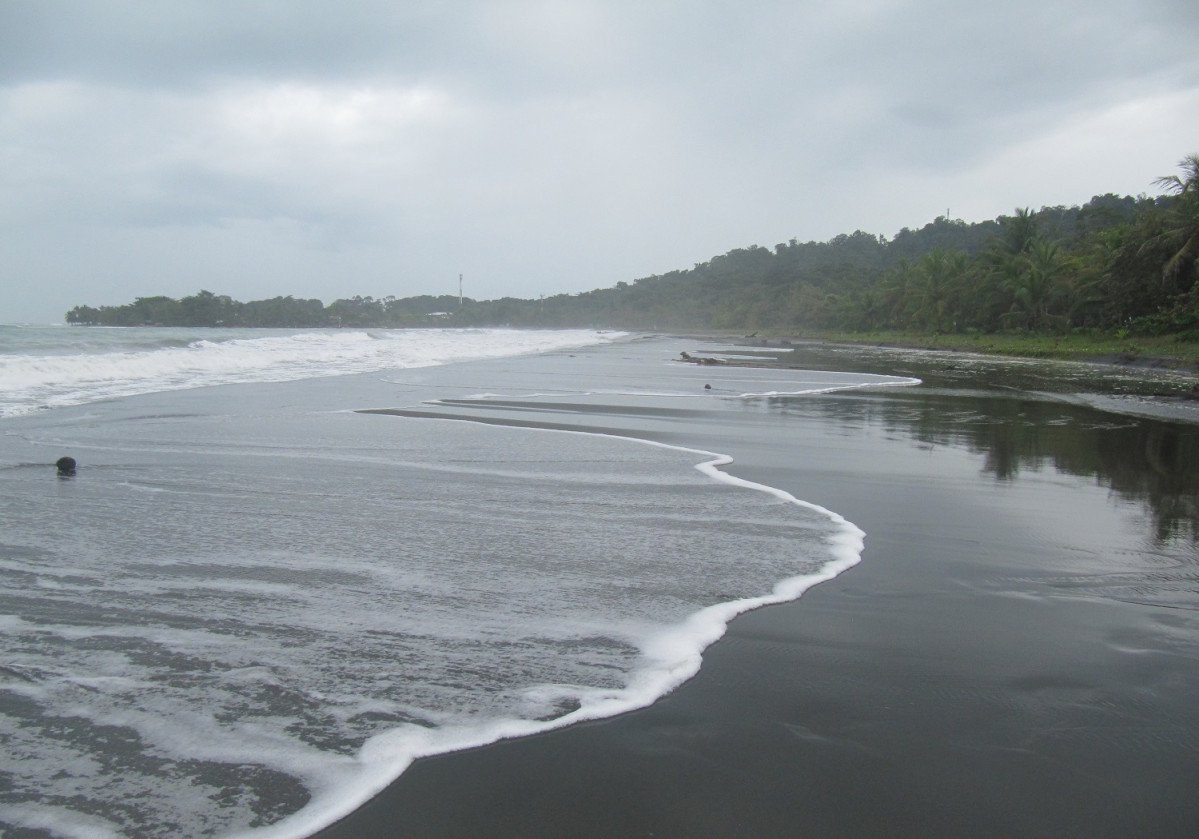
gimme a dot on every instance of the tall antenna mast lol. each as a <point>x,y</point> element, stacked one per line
<point>459,291</point>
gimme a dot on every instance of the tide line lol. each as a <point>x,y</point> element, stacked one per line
<point>672,657</point>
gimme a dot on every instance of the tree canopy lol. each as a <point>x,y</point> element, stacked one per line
<point>1114,263</point>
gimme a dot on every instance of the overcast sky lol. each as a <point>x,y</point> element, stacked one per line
<point>381,147</point>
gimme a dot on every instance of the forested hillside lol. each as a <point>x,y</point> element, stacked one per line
<point>1114,264</point>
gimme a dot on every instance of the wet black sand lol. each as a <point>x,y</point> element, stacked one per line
<point>1017,654</point>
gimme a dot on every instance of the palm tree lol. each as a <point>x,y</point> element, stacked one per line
<point>1179,185</point>
<point>894,286</point>
<point>1181,236</point>
<point>861,310</point>
<point>1037,286</point>
<point>1004,259</point>
<point>1019,231</point>
<point>939,274</point>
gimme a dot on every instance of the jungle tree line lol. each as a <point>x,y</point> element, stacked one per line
<point>207,309</point>
<point>1115,263</point>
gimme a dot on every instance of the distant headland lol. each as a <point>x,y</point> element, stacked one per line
<point>1117,265</point>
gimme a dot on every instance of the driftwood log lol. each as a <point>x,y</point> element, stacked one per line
<point>700,359</point>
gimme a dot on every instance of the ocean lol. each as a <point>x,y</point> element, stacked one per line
<point>293,561</point>
<point>49,367</point>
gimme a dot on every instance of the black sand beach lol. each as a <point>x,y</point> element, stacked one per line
<point>1017,654</point>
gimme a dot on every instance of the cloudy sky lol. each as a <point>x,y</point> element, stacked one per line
<point>381,147</point>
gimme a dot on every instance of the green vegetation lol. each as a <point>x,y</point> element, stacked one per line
<point>208,309</point>
<point>1117,269</point>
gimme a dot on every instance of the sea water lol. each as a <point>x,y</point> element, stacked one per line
<point>255,605</point>
<point>45,367</point>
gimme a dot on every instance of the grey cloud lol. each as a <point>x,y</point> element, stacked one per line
<point>375,147</point>
<point>185,43</point>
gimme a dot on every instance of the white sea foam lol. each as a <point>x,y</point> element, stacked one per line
<point>669,656</point>
<point>306,615</point>
<point>487,634</point>
<point>61,821</point>
<point>176,359</point>
<point>811,390</point>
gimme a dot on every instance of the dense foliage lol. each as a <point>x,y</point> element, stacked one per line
<point>1114,264</point>
<point>208,309</point>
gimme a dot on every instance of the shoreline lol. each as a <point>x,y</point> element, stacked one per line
<point>1153,390</point>
<point>1012,656</point>
<point>945,686</point>
<point>705,626</point>
<point>1108,351</point>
